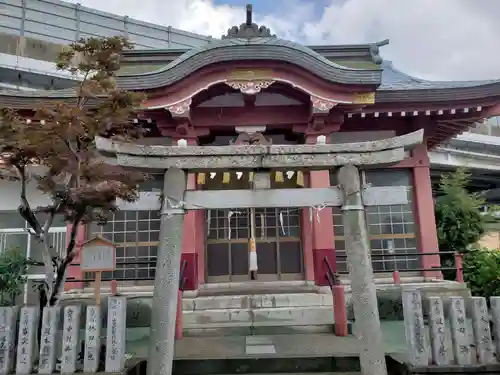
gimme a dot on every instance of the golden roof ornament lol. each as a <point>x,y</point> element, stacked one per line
<point>248,29</point>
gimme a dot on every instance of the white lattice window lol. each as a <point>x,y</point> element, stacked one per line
<point>391,229</point>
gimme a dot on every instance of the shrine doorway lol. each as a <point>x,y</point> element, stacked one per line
<point>277,235</point>
<point>279,252</point>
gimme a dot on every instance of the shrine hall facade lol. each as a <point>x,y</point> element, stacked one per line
<point>252,87</point>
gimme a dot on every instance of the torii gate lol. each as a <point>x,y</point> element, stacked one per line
<point>350,195</point>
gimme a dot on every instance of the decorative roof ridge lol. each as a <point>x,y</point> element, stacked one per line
<point>248,29</point>
<point>375,51</point>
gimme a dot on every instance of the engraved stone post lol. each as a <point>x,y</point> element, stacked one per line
<point>28,325</point>
<point>92,339</point>
<point>164,308</point>
<point>482,332</point>
<point>459,332</point>
<point>418,349</point>
<point>495,316</point>
<point>440,355</point>
<point>48,341</point>
<point>71,338</point>
<point>364,297</point>
<point>115,334</point>
<point>8,326</point>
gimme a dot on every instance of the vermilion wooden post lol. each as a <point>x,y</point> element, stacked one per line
<point>339,310</point>
<point>459,265</point>
<point>114,287</point>
<point>178,320</point>
<point>395,277</point>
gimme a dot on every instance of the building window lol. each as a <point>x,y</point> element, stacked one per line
<point>136,235</point>
<point>391,229</point>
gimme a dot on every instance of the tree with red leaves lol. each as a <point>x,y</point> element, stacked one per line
<point>56,149</point>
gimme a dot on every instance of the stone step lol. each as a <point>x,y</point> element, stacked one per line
<point>257,301</point>
<point>275,316</point>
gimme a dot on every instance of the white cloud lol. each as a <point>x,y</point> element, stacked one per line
<point>445,39</point>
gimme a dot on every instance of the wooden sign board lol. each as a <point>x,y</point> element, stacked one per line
<point>98,254</point>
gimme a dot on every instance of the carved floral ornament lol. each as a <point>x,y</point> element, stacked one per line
<point>180,107</point>
<point>250,87</point>
<point>322,104</point>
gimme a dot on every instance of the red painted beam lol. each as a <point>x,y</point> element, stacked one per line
<point>205,117</point>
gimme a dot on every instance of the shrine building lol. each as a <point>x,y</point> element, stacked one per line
<point>251,87</point>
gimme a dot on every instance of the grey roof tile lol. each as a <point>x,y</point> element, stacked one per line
<point>394,79</point>
<point>397,86</point>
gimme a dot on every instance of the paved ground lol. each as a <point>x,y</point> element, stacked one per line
<point>290,345</point>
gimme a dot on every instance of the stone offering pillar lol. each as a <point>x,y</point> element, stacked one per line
<point>459,332</point>
<point>92,339</point>
<point>48,344</point>
<point>364,295</point>
<point>8,326</point>
<point>440,354</point>
<point>26,342</point>
<point>482,332</point>
<point>495,316</point>
<point>71,338</point>
<point>418,349</point>
<point>166,286</point>
<point>116,334</point>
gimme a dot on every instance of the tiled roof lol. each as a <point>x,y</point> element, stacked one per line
<point>397,86</point>
<point>248,49</point>
<point>394,79</point>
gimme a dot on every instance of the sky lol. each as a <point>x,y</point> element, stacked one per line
<point>432,39</point>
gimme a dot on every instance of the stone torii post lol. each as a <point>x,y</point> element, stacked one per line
<point>351,196</point>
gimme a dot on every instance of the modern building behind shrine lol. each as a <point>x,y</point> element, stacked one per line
<point>253,83</point>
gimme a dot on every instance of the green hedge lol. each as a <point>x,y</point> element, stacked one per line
<point>482,272</point>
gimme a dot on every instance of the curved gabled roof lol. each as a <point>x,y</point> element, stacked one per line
<point>251,49</point>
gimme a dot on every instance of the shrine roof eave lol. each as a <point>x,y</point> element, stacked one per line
<point>438,93</point>
<point>482,93</point>
<point>399,87</point>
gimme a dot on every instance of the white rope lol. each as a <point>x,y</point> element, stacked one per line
<point>262,226</point>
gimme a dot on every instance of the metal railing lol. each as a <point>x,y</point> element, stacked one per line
<point>182,273</point>
<point>392,259</point>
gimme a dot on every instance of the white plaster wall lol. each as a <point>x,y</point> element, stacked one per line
<point>9,198</point>
<point>9,195</point>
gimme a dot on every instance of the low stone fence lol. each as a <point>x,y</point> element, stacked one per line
<point>22,352</point>
<point>463,332</point>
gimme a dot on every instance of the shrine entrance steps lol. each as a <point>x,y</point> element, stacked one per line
<point>257,309</point>
<point>287,308</point>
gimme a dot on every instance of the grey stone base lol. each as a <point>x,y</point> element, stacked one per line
<point>397,366</point>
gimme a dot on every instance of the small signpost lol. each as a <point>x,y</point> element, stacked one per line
<point>98,255</point>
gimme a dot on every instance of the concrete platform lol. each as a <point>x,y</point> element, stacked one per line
<point>285,345</point>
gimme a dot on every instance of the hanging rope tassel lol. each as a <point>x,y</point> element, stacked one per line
<point>278,177</point>
<point>252,261</point>
<point>300,178</point>
<point>262,226</point>
<point>201,179</point>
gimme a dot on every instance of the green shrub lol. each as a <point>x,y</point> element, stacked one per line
<point>13,268</point>
<point>482,272</point>
<point>459,218</point>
